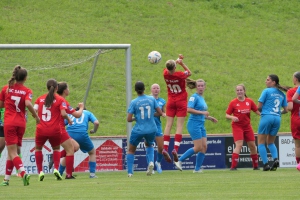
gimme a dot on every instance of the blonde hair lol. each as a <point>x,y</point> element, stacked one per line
<point>170,64</point>
<point>243,86</point>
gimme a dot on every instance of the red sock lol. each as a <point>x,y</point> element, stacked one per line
<point>39,160</point>
<point>234,160</point>
<point>297,159</point>
<point>9,167</point>
<point>178,139</point>
<point>254,160</point>
<point>19,165</point>
<point>69,165</point>
<point>56,159</point>
<point>166,142</point>
<point>63,154</point>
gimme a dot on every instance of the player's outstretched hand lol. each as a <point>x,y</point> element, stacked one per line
<point>80,105</point>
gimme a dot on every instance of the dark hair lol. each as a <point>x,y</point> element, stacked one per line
<point>139,87</point>
<point>297,76</point>
<point>275,78</point>
<point>77,108</point>
<point>51,86</point>
<point>61,87</point>
<point>19,74</point>
<point>170,64</point>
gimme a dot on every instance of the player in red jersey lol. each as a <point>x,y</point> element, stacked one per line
<point>14,98</point>
<point>294,107</point>
<point>238,112</point>
<point>51,108</point>
<point>176,104</point>
<point>70,145</point>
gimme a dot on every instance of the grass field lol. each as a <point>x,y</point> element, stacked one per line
<point>225,42</point>
<point>211,184</point>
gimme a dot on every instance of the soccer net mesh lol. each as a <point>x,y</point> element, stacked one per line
<point>107,93</point>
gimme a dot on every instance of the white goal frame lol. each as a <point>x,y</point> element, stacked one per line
<point>127,48</point>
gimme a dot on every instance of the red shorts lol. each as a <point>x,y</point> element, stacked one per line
<point>295,129</point>
<point>176,108</point>
<point>243,133</point>
<point>41,139</point>
<point>64,136</point>
<point>13,134</point>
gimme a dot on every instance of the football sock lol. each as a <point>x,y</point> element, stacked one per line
<point>254,160</point>
<point>39,160</point>
<point>166,142</point>
<point>273,150</point>
<point>178,139</point>
<point>19,165</point>
<point>234,160</point>
<point>199,160</point>
<point>187,154</point>
<point>150,154</point>
<point>61,169</point>
<point>130,160</point>
<point>92,166</point>
<point>56,159</point>
<point>263,153</point>
<point>159,157</point>
<point>9,168</point>
<point>63,154</point>
<point>69,165</point>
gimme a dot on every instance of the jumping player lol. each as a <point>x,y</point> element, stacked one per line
<point>176,104</point>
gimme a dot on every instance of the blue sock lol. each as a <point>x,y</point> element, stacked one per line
<point>130,161</point>
<point>273,150</point>
<point>187,154</point>
<point>150,154</point>
<point>92,166</point>
<point>263,153</point>
<point>199,160</point>
<point>159,157</point>
<point>61,169</point>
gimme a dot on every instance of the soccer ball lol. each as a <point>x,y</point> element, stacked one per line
<point>154,57</point>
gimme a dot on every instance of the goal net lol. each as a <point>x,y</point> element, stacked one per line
<point>96,76</point>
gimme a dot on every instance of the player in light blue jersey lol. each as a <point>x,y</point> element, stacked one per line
<point>142,108</point>
<point>269,104</point>
<point>197,108</point>
<point>155,90</point>
<point>79,132</point>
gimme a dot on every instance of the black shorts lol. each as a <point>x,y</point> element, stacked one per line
<point>1,131</point>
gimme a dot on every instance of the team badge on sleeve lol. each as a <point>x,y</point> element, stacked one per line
<point>30,96</point>
<point>192,99</point>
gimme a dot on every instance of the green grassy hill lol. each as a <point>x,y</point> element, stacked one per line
<point>225,42</point>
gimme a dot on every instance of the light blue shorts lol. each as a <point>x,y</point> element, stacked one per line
<point>269,124</point>
<point>196,129</point>
<point>135,138</point>
<point>84,141</point>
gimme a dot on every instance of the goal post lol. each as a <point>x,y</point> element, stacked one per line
<point>126,47</point>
